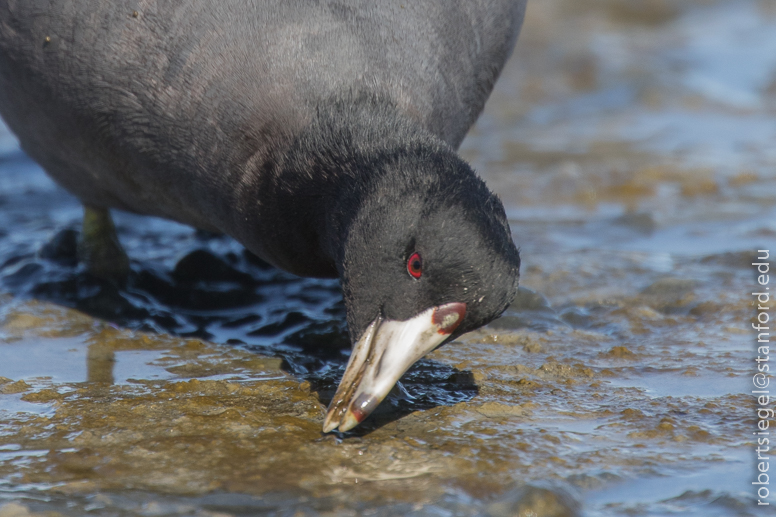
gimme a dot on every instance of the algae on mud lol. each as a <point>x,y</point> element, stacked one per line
<point>615,385</point>
<point>557,405</point>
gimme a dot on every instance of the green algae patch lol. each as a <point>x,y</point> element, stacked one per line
<point>10,388</point>
<point>43,396</point>
<point>20,510</point>
<point>40,319</point>
<point>497,410</point>
<point>619,352</point>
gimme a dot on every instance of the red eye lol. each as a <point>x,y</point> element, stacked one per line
<point>415,265</point>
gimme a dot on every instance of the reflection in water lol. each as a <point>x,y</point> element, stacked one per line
<point>100,359</point>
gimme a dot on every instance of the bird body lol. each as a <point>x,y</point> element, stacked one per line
<point>320,134</point>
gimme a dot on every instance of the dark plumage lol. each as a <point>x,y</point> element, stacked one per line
<point>321,135</point>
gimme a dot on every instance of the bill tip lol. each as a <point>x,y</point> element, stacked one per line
<point>349,422</point>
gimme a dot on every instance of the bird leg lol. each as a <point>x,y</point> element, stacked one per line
<point>99,248</point>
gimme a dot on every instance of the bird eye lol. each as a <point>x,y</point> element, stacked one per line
<point>415,265</point>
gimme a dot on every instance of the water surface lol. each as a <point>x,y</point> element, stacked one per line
<point>632,144</point>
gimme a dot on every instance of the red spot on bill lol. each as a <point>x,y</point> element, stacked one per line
<point>363,406</point>
<point>449,316</point>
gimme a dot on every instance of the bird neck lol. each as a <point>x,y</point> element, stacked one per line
<point>324,178</point>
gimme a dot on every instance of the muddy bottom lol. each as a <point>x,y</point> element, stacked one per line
<point>632,144</point>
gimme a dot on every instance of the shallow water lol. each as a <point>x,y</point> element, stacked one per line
<point>633,145</point>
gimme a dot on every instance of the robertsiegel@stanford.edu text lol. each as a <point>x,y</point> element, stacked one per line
<point>762,378</point>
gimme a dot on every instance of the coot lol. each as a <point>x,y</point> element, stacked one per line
<point>320,134</point>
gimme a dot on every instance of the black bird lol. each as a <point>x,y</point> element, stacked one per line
<point>321,134</point>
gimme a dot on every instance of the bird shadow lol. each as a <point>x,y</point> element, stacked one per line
<point>433,384</point>
<point>219,292</point>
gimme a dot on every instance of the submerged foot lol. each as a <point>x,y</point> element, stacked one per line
<point>99,248</point>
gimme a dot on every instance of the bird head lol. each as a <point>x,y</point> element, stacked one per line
<point>428,255</point>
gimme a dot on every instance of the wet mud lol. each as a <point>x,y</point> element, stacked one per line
<point>632,144</point>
